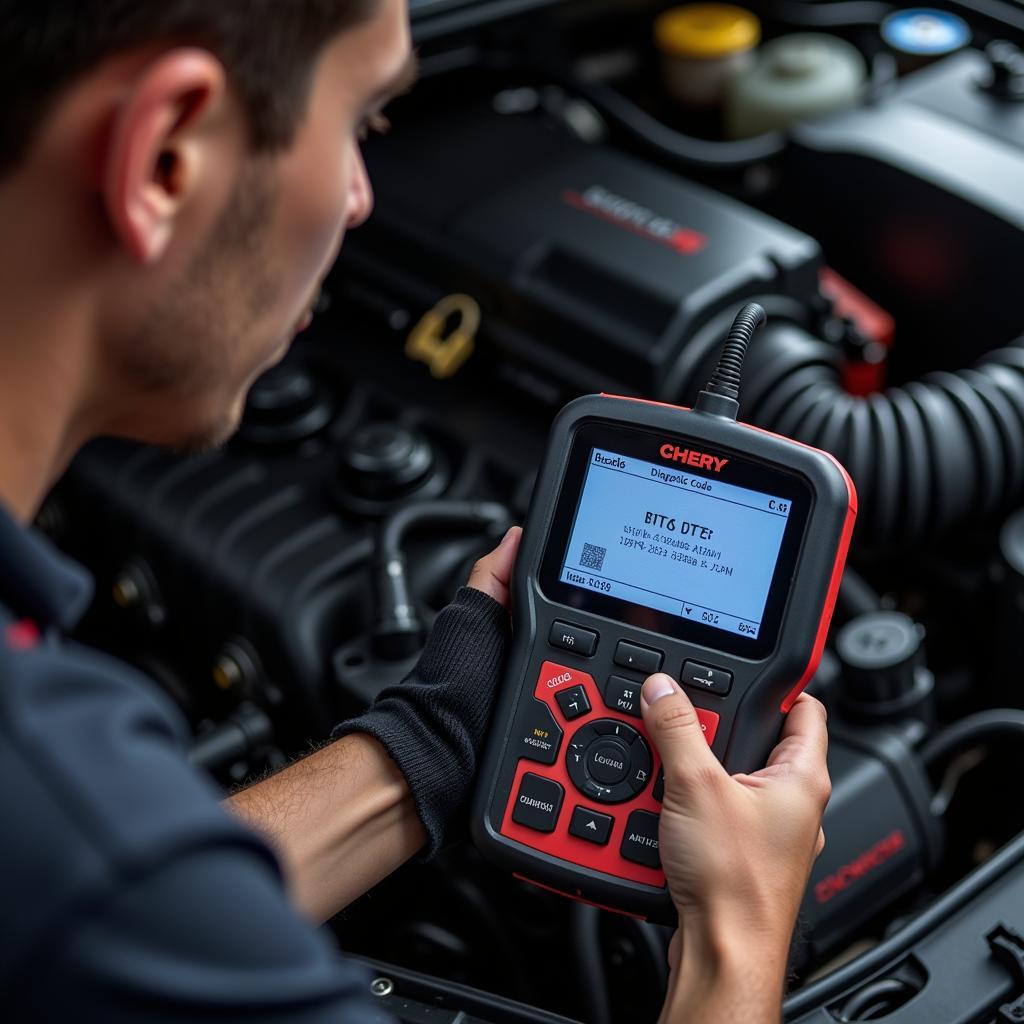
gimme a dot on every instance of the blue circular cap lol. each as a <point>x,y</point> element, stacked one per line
<point>925,32</point>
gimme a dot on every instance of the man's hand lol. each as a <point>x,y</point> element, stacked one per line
<point>737,852</point>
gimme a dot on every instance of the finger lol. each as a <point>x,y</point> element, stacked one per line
<point>803,746</point>
<point>493,573</point>
<point>801,755</point>
<point>676,731</point>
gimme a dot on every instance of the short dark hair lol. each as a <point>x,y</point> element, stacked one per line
<point>268,48</point>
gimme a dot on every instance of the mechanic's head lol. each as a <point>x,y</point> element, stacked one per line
<point>181,173</point>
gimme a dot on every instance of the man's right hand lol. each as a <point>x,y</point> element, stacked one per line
<point>737,853</point>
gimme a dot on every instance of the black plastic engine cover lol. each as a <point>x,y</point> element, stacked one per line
<point>244,574</point>
<point>589,265</point>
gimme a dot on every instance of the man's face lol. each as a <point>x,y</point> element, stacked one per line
<point>251,285</point>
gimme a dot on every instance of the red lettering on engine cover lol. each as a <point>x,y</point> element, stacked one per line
<point>885,849</point>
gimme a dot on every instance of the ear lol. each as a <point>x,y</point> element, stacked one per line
<point>156,151</point>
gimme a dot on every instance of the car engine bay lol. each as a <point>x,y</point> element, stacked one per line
<point>557,215</point>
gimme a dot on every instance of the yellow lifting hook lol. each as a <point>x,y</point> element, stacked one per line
<point>444,353</point>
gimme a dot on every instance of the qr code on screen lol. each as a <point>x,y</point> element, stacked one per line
<point>593,557</point>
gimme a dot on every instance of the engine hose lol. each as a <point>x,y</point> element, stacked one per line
<point>398,632</point>
<point>856,596</point>
<point>926,456</point>
<point>985,726</point>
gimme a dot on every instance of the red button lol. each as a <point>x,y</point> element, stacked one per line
<point>555,677</point>
<point>709,723</point>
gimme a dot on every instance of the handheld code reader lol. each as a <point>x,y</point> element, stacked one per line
<point>658,539</point>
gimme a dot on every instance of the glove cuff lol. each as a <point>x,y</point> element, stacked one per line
<point>433,723</point>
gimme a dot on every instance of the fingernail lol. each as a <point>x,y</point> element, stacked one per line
<point>658,686</point>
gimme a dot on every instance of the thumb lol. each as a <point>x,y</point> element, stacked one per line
<point>493,573</point>
<point>676,731</point>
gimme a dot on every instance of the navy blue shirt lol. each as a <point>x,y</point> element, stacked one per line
<point>128,894</point>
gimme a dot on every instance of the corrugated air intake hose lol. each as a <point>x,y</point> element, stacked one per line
<point>925,456</point>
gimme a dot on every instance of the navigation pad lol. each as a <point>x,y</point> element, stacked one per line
<point>609,761</point>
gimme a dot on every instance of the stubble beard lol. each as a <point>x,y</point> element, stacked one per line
<point>189,365</point>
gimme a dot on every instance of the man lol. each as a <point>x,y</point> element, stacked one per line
<point>175,180</point>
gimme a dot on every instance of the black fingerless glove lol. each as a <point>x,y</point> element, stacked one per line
<point>433,723</point>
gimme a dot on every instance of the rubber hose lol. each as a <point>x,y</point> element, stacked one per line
<point>246,730</point>
<point>925,457</point>
<point>398,632</point>
<point>982,727</point>
<point>856,596</point>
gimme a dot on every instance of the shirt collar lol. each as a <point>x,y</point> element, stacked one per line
<point>37,581</point>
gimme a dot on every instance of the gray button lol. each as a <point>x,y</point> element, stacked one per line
<point>589,825</point>
<point>537,803</point>
<point>640,659</point>
<point>573,638</point>
<point>623,695</point>
<point>706,678</point>
<point>573,702</point>
<point>640,839</point>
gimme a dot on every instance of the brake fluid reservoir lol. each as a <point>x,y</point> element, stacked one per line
<point>796,77</point>
<point>703,46</point>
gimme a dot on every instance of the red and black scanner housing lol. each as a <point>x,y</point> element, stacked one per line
<point>536,737</point>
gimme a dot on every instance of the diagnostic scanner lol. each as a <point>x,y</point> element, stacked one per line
<point>658,539</point>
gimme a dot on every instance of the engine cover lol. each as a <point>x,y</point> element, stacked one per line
<point>590,266</point>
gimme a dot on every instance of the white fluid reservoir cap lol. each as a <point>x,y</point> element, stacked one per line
<point>796,77</point>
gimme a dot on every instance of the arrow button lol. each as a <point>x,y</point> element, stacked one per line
<point>639,659</point>
<point>591,825</point>
<point>573,702</point>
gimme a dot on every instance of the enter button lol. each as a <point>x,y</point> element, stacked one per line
<point>608,761</point>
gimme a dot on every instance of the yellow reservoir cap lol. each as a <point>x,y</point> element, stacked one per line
<point>706,31</point>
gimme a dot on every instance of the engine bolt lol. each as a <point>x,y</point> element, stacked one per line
<point>227,673</point>
<point>126,592</point>
<point>236,667</point>
<point>382,986</point>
